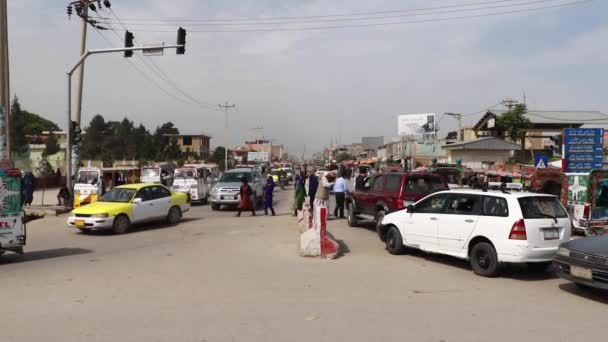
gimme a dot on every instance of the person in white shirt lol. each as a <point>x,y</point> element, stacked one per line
<point>340,190</point>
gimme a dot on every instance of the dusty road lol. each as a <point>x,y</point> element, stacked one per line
<point>215,277</point>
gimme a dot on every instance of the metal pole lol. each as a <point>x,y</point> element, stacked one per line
<point>68,149</point>
<point>226,138</point>
<point>83,48</point>
<point>5,106</point>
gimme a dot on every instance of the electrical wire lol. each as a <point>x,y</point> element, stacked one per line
<point>431,20</point>
<point>512,5</point>
<point>154,67</point>
<point>318,16</point>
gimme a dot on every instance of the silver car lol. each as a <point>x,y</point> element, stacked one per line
<point>226,190</point>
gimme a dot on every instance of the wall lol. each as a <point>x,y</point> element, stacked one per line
<point>475,158</point>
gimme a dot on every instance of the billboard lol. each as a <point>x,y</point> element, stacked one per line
<point>417,126</point>
<point>583,149</point>
<point>258,157</point>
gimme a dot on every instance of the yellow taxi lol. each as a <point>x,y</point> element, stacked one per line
<point>124,205</point>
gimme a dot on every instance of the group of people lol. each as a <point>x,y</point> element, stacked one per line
<point>247,201</point>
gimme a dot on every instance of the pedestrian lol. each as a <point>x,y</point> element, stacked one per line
<point>313,185</point>
<point>246,194</point>
<point>63,196</point>
<point>322,194</point>
<point>340,190</point>
<point>28,188</point>
<point>300,194</point>
<point>360,180</point>
<point>268,193</point>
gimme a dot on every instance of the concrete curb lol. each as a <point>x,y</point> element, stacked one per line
<point>314,240</point>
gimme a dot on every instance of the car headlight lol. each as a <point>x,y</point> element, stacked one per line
<point>214,191</point>
<point>563,252</point>
<point>100,215</point>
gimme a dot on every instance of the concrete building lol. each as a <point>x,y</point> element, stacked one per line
<point>197,145</point>
<point>259,146</point>
<point>277,152</point>
<point>372,143</point>
<point>482,153</point>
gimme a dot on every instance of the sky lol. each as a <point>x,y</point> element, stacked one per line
<point>305,88</point>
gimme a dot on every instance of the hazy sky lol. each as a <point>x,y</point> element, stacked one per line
<point>304,87</point>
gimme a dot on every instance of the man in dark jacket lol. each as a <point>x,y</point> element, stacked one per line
<point>360,180</point>
<point>313,185</point>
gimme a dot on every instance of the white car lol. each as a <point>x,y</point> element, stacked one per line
<point>487,228</point>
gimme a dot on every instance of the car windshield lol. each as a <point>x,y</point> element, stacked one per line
<point>235,177</point>
<point>119,195</point>
<point>541,207</point>
<point>185,173</point>
<point>88,177</point>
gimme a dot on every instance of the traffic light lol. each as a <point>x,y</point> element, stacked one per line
<point>181,40</point>
<point>556,148</point>
<point>129,43</point>
<point>75,133</point>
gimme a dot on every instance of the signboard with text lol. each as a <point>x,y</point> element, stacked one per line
<point>416,126</point>
<point>583,149</point>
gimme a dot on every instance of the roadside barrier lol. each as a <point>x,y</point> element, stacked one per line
<point>314,241</point>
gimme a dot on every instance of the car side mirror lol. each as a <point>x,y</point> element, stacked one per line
<point>410,208</point>
<point>137,200</point>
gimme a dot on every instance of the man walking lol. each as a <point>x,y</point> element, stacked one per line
<point>313,185</point>
<point>268,194</point>
<point>340,189</point>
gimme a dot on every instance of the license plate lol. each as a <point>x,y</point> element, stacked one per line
<point>580,272</point>
<point>229,197</point>
<point>551,234</point>
<point>79,223</point>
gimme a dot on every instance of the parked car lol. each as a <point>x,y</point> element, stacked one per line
<point>389,192</point>
<point>584,261</point>
<point>486,228</point>
<point>124,205</point>
<point>227,190</point>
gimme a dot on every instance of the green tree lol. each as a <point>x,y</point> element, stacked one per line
<point>51,145</point>
<point>94,141</point>
<point>513,124</point>
<point>344,156</point>
<point>24,123</point>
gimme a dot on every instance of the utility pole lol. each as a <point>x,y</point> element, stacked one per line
<point>226,108</point>
<point>5,94</point>
<point>509,103</point>
<point>83,48</point>
<point>459,118</point>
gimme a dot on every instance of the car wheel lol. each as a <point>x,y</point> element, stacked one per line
<point>381,230</point>
<point>539,267</point>
<point>352,215</point>
<point>121,224</point>
<point>175,214</point>
<point>484,260</point>
<point>215,206</point>
<point>394,241</point>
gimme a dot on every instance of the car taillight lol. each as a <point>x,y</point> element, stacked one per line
<point>399,204</point>
<point>518,231</point>
<point>587,211</point>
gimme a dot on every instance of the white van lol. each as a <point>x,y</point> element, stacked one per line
<point>194,181</point>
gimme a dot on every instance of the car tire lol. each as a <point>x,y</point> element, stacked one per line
<point>215,206</point>
<point>174,215</point>
<point>352,216</point>
<point>394,241</point>
<point>539,267</point>
<point>381,230</point>
<point>121,224</point>
<point>484,260</point>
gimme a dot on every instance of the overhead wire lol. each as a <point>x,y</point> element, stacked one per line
<point>154,67</point>
<point>411,13</point>
<point>331,27</point>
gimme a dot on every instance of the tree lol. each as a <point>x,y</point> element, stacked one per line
<point>513,124</point>
<point>51,145</point>
<point>344,156</point>
<point>218,156</point>
<point>94,143</point>
<point>24,123</point>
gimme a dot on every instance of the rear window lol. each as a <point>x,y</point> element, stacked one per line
<point>495,206</point>
<point>393,183</point>
<point>541,207</point>
<point>424,185</point>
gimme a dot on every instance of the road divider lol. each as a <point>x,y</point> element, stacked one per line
<point>314,240</point>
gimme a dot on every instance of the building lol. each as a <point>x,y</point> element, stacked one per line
<point>277,152</point>
<point>372,143</point>
<point>36,149</point>
<point>195,145</point>
<point>259,146</point>
<point>481,153</point>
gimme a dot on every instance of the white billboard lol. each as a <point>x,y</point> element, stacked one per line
<point>258,157</point>
<point>417,126</point>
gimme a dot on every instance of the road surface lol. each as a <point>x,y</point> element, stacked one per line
<point>215,277</point>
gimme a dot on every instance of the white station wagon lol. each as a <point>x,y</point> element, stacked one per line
<point>486,227</point>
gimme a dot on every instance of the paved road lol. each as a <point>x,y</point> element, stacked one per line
<point>215,277</point>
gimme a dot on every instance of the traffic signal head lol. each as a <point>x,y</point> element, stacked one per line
<point>129,43</point>
<point>181,40</point>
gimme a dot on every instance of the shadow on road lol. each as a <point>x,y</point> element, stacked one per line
<point>143,227</point>
<point>42,255</point>
<point>343,246</point>
<point>587,293</point>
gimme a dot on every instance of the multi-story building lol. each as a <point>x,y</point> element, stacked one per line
<point>196,145</point>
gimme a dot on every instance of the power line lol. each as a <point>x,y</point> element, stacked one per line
<point>155,68</point>
<point>540,8</point>
<point>318,16</point>
<point>512,5</point>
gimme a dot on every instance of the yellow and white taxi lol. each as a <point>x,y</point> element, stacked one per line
<point>128,204</point>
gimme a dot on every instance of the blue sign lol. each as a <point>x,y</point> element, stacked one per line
<point>584,149</point>
<point>541,161</point>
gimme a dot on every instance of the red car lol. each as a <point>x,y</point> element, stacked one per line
<point>390,192</point>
